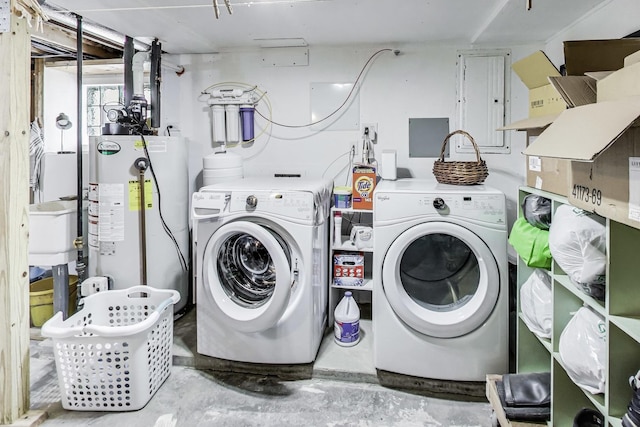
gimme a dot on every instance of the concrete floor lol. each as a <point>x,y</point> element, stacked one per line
<point>342,388</point>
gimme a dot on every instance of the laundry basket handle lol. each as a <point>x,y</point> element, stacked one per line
<point>55,328</point>
<point>469,137</point>
<point>127,330</point>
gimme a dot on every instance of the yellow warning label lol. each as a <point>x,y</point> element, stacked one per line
<point>138,144</point>
<point>134,195</point>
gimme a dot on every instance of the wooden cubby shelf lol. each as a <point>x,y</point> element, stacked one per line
<point>620,311</point>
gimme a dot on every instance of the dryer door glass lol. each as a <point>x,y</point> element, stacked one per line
<point>439,272</point>
<point>441,279</point>
<point>248,270</point>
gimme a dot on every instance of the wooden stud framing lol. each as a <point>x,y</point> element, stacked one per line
<point>37,86</point>
<point>14,216</point>
<point>67,39</point>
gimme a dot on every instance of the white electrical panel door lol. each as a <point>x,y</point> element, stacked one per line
<point>482,95</point>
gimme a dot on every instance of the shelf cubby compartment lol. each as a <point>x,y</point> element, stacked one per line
<point>615,422</point>
<point>623,272</point>
<point>597,305</point>
<point>565,304</point>
<point>568,397</point>
<point>624,349</point>
<point>533,352</point>
<point>362,293</point>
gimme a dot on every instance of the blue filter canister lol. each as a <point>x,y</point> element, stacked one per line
<point>246,115</point>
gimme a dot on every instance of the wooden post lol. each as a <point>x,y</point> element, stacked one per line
<point>37,85</point>
<point>15,47</point>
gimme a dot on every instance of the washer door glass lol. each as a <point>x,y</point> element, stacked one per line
<point>247,268</point>
<point>441,279</point>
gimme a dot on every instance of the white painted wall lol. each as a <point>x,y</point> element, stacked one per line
<point>421,82</point>
<point>59,97</point>
<point>613,20</point>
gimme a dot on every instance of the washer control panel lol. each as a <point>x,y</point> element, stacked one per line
<point>292,204</point>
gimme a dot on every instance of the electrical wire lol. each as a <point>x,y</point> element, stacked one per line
<point>355,85</point>
<point>334,161</point>
<point>352,156</point>
<point>181,257</point>
<point>263,95</point>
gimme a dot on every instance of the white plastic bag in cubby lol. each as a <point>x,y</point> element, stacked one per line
<point>115,353</point>
<point>577,241</point>
<point>535,303</point>
<point>583,349</point>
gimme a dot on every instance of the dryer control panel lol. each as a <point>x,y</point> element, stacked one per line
<point>483,207</point>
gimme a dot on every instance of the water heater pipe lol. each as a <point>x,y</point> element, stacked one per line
<point>141,164</point>
<point>137,67</point>
<point>79,242</point>
<point>127,57</point>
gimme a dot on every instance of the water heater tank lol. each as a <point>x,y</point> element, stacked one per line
<point>114,212</point>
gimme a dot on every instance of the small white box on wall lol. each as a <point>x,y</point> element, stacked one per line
<point>388,166</point>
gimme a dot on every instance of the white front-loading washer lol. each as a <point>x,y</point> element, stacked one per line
<point>261,269</point>
<point>440,298</point>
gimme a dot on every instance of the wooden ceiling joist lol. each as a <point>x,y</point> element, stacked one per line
<point>55,35</point>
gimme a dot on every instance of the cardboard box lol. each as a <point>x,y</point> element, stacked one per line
<point>575,90</point>
<point>549,174</point>
<point>364,184</point>
<point>348,269</point>
<point>604,150</point>
<point>544,173</point>
<point>549,95</point>
<point>620,84</point>
<point>582,56</point>
<point>534,71</point>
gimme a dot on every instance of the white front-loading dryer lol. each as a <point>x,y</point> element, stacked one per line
<point>440,300</point>
<point>260,269</point>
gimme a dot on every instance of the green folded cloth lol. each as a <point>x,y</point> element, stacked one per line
<point>531,243</point>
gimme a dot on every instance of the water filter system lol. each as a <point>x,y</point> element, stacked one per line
<point>347,321</point>
<point>232,111</point>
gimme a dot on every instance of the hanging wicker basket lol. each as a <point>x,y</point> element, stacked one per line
<point>460,173</point>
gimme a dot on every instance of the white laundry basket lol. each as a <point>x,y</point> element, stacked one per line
<point>115,353</point>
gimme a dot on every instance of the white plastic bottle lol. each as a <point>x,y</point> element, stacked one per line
<point>346,327</point>
<point>337,229</point>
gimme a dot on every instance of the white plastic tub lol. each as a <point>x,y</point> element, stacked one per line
<point>52,227</point>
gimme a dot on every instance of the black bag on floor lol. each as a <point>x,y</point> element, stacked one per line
<point>526,397</point>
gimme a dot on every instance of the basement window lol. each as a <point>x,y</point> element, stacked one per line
<point>99,99</point>
<point>102,98</point>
